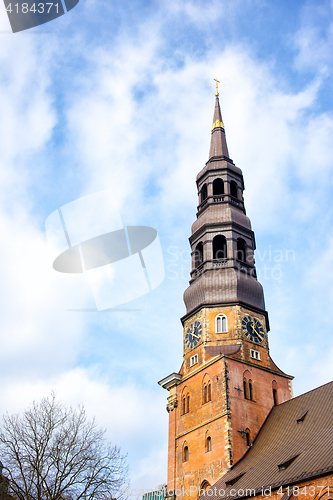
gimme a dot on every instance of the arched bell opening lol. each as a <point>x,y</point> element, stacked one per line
<point>218,187</point>
<point>219,247</point>
<point>203,193</point>
<point>198,254</point>
<point>241,250</point>
<point>234,189</point>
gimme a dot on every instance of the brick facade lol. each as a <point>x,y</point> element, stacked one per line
<point>223,418</point>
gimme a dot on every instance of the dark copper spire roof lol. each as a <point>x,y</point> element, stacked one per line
<point>229,277</point>
<point>218,143</point>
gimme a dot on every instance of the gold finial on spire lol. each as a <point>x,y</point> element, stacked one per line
<point>218,84</point>
<point>218,123</point>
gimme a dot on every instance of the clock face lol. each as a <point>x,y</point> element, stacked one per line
<point>193,335</point>
<point>253,329</point>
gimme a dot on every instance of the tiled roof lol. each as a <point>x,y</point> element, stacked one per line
<point>295,443</point>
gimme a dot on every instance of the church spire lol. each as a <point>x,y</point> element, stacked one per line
<point>227,383</point>
<point>218,143</point>
<point>222,241</point>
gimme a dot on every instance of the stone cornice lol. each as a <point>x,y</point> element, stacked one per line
<point>206,422</point>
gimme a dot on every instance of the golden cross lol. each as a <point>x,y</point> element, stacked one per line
<point>218,84</point>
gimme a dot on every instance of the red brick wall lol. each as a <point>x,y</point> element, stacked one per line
<point>214,417</point>
<point>228,412</point>
<point>191,428</point>
<point>248,414</point>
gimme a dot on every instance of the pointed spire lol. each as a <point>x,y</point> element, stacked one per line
<point>218,143</point>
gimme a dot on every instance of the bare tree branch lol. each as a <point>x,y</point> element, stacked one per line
<point>51,452</point>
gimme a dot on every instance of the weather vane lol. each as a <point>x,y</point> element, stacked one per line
<point>218,84</point>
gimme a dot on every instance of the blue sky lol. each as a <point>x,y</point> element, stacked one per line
<point>117,95</point>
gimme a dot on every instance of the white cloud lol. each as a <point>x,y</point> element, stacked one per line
<point>314,39</point>
<point>203,15</point>
<point>266,128</point>
<point>34,322</point>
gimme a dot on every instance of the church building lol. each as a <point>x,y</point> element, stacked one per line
<point>228,388</point>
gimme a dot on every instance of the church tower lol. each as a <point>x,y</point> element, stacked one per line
<point>228,382</point>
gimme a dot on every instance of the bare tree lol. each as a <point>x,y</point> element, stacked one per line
<point>51,452</point>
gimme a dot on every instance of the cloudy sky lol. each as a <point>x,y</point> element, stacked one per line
<point>117,95</point>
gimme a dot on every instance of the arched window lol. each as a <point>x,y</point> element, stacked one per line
<point>198,254</point>
<point>247,385</point>
<point>219,247</point>
<point>234,189</point>
<point>208,444</point>
<point>275,397</point>
<point>204,487</point>
<point>250,390</point>
<point>248,437</point>
<point>204,394</point>
<point>241,249</point>
<point>185,453</point>
<point>245,389</point>
<point>275,393</point>
<point>209,392</point>
<point>221,323</point>
<point>203,193</point>
<point>206,390</point>
<point>185,401</point>
<point>218,187</point>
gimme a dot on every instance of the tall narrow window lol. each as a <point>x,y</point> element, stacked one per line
<point>198,256</point>
<point>221,323</point>
<point>234,189</point>
<point>275,392</point>
<point>206,391</point>
<point>248,437</point>
<point>241,249</point>
<point>185,402</point>
<point>219,247</point>
<point>245,389</point>
<point>204,193</point>
<point>205,394</point>
<point>250,390</point>
<point>209,392</point>
<point>185,454</point>
<point>275,397</point>
<point>208,444</point>
<point>218,187</point>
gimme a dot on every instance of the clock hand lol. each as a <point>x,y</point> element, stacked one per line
<point>256,332</point>
<point>194,335</point>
